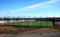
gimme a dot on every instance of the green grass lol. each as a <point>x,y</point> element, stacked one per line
<point>32,23</point>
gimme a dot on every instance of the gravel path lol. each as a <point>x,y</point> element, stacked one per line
<point>53,34</point>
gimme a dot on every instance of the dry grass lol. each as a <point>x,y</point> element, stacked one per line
<point>19,30</point>
<point>42,30</point>
<point>57,25</point>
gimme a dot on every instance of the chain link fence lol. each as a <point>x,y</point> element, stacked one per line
<point>27,21</point>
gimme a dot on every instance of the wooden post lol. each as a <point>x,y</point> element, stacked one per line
<point>53,21</point>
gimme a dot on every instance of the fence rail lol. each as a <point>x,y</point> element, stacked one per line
<point>48,21</point>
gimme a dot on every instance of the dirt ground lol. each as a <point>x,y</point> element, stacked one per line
<point>19,30</point>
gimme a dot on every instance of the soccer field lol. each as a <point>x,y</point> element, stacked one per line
<point>31,23</point>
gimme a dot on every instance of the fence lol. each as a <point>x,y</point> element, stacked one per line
<point>28,21</point>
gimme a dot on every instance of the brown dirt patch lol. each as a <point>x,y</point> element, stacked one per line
<point>57,25</point>
<point>19,30</point>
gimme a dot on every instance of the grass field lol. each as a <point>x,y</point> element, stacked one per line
<point>32,23</point>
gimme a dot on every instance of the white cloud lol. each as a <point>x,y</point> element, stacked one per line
<point>35,6</point>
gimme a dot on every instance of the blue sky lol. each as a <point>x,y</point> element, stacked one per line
<point>31,8</point>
